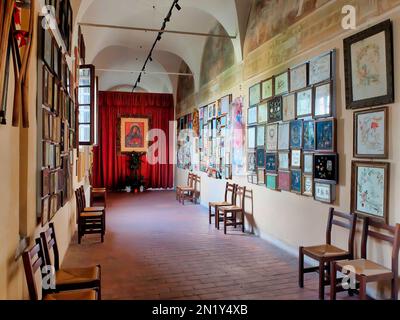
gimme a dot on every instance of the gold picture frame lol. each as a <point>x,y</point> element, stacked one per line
<point>133,134</point>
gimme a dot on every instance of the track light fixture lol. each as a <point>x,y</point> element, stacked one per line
<point>178,7</point>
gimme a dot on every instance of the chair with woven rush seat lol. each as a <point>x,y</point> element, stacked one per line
<point>98,197</point>
<point>363,270</point>
<point>229,214</point>
<point>191,193</point>
<point>229,188</point>
<point>326,253</point>
<point>71,278</point>
<point>34,261</point>
<point>189,184</point>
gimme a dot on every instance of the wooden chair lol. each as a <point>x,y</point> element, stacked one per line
<point>365,271</point>
<point>98,197</point>
<point>191,193</point>
<point>189,184</point>
<point>229,188</point>
<point>71,278</point>
<point>229,214</point>
<point>34,261</point>
<point>327,253</point>
<point>90,220</point>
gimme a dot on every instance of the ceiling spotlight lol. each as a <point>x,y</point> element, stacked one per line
<point>159,36</point>
<point>178,6</point>
<point>150,58</point>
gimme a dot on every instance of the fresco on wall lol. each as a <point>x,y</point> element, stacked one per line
<point>218,55</point>
<point>271,17</point>
<point>185,89</point>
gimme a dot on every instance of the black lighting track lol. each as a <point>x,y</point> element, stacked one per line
<point>164,25</point>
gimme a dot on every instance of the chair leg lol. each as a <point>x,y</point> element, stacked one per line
<point>301,268</point>
<point>243,228</point>
<point>321,280</point>
<point>333,280</point>
<point>224,222</point>
<point>209,214</point>
<point>395,289</point>
<point>363,288</point>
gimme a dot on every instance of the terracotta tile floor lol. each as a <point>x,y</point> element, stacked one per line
<point>156,248</point>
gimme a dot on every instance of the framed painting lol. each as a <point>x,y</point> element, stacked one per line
<point>299,77</point>
<point>228,171</point>
<point>272,137</point>
<point>308,163</point>
<point>47,47</point>
<point>261,136</point>
<point>260,153</point>
<point>267,89</point>
<point>370,189</point>
<point>369,70</point>
<point>371,134</point>
<point>272,182</point>
<point>296,134</point>
<point>251,161</point>
<point>308,186</point>
<point>225,104</point>
<point>45,211</point>
<point>326,168</point>
<point>309,135</point>
<point>275,110</point>
<point>289,107</point>
<point>211,111</point>
<point>296,181</point>
<point>325,135</point>
<point>296,159</point>
<point>323,97</point>
<point>254,95</point>
<point>46,125</point>
<point>252,116</point>
<point>262,113</point>
<point>284,136</point>
<point>56,63</point>
<point>252,178</point>
<point>284,161</point>
<point>325,193</point>
<point>304,103</point>
<point>271,162</point>
<point>133,134</point>
<point>321,68</point>
<point>282,83</point>
<point>251,138</point>
<point>45,182</point>
<point>261,177</point>
<point>284,183</point>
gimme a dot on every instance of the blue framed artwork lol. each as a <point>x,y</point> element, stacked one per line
<point>309,135</point>
<point>296,134</point>
<point>271,162</point>
<point>325,136</point>
<point>260,154</point>
<point>272,182</point>
<point>296,181</point>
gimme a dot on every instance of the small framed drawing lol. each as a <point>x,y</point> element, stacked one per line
<point>308,186</point>
<point>271,162</point>
<point>371,134</point>
<point>272,181</point>
<point>309,135</point>
<point>282,83</point>
<point>325,135</point>
<point>325,193</point>
<point>296,181</point>
<point>267,89</point>
<point>299,77</point>
<point>296,134</point>
<point>289,107</point>
<point>308,163</point>
<point>254,95</point>
<point>296,159</point>
<point>284,136</point>
<point>211,111</point>
<point>369,65</point>
<point>261,177</point>
<point>370,189</point>
<point>321,68</point>
<point>275,110</point>
<point>260,154</point>
<point>261,136</point>
<point>262,113</point>
<point>304,103</point>
<point>250,178</point>
<point>323,97</point>
<point>251,161</point>
<point>225,104</point>
<point>284,181</point>
<point>251,137</point>
<point>284,161</point>
<point>252,116</point>
<point>326,168</point>
<point>272,137</point>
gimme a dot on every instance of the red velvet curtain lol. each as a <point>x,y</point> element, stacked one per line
<point>111,169</point>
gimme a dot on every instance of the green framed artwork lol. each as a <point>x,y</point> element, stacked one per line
<point>272,182</point>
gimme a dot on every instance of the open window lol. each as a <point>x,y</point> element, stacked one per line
<point>86,100</point>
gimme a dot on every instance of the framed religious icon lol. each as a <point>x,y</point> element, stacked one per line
<point>308,163</point>
<point>45,182</point>
<point>309,135</point>
<point>262,113</point>
<point>225,104</point>
<point>45,210</point>
<point>326,168</point>
<point>296,134</point>
<point>46,99</point>
<point>289,107</point>
<point>296,181</point>
<point>261,136</point>
<point>281,83</point>
<point>369,67</point>
<point>323,97</point>
<point>325,193</point>
<point>272,182</point>
<point>267,89</point>
<point>284,161</point>
<point>296,159</point>
<point>251,161</point>
<point>275,110</point>
<point>56,100</point>
<point>260,154</point>
<point>308,185</point>
<point>271,162</point>
<point>261,177</point>
<point>254,95</point>
<point>371,134</point>
<point>46,125</point>
<point>284,183</point>
<point>370,189</point>
<point>251,138</point>
<point>325,135</point>
<point>252,116</point>
<point>272,137</point>
<point>284,136</point>
<point>133,134</point>
<point>304,103</point>
<point>299,77</point>
<point>47,47</point>
<point>321,68</point>
<point>211,111</point>
<point>56,63</point>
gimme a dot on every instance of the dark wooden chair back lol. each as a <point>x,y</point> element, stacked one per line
<point>350,225</point>
<point>190,180</point>
<point>49,242</point>
<point>392,236</point>
<point>240,197</point>
<point>230,189</point>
